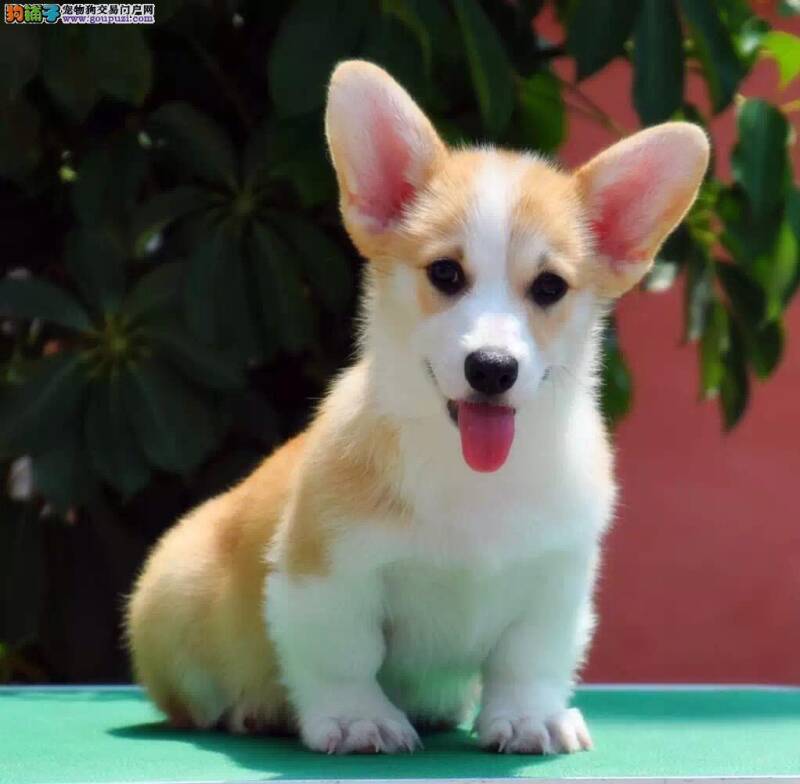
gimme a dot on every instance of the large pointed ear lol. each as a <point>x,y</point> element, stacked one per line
<point>635,193</point>
<point>384,148</point>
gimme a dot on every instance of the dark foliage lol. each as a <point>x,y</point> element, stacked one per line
<point>177,288</point>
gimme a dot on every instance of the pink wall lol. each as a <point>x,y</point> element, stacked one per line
<point>702,570</point>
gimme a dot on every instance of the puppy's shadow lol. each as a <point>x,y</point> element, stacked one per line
<point>255,753</point>
<point>452,754</point>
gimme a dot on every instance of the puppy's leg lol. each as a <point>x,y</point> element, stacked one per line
<point>528,677</point>
<point>329,637</point>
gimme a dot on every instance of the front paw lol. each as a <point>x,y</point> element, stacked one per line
<point>359,735</point>
<point>562,733</point>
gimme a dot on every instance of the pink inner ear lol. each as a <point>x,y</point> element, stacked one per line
<point>621,223</point>
<point>382,186</point>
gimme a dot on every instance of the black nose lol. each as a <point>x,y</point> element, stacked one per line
<point>490,371</point>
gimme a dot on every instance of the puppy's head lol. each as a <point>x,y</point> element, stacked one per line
<point>490,268</point>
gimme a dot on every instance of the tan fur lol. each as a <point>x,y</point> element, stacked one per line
<point>196,609</point>
<point>197,606</point>
<point>347,476</point>
<point>195,619</point>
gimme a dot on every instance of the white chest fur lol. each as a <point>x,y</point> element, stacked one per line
<point>439,617</point>
<point>555,492</point>
<point>485,571</point>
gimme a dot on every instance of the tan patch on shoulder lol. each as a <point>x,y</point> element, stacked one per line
<point>257,503</point>
<point>348,477</point>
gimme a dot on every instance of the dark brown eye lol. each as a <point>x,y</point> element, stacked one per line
<point>447,275</point>
<point>548,288</point>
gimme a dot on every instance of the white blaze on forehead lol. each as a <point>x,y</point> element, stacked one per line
<point>493,312</point>
<point>488,221</point>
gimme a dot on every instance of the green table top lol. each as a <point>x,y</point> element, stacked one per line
<point>75,734</point>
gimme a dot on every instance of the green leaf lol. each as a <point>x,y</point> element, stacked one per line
<point>735,387</point>
<point>33,413</point>
<point>258,151</point>
<point>171,422</point>
<point>409,13</point>
<point>746,296</point>
<point>237,308</point>
<point>714,345</point>
<point>616,394</point>
<point>205,270</point>
<point>785,49</point>
<point>793,210</point>
<point>109,180</point>
<point>155,292</point>
<point>19,59</point>
<point>152,217</point>
<point>122,62</point>
<point>777,270</point>
<point>196,141</point>
<point>699,294</point>
<point>283,307</point>
<point>313,36</point>
<point>743,237</point>
<point>114,453</point>
<point>489,66</point>
<point>721,64</point>
<point>32,298</point>
<point>294,152</point>
<point>67,72</point>
<point>20,147</point>
<point>324,264</point>
<point>61,473</point>
<point>201,364</point>
<point>392,45</point>
<point>759,160</point>
<point>765,347</point>
<point>432,24</point>
<point>793,220</point>
<point>285,310</point>
<point>598,30</point>
<point>657,61</point>
<point>96,262</point>
<point>542,121</point>
<point>514,25</point>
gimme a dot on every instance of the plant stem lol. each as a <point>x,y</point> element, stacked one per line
<point>592,109</point>
<point>589,115</point>
<point>227,87</point>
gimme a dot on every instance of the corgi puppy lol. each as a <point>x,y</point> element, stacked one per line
<point>432,539</point>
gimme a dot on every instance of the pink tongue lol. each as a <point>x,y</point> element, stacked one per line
<point>486,434</point>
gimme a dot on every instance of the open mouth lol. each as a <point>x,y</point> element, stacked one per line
<point>487,429</point>
<point>487,432</point>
